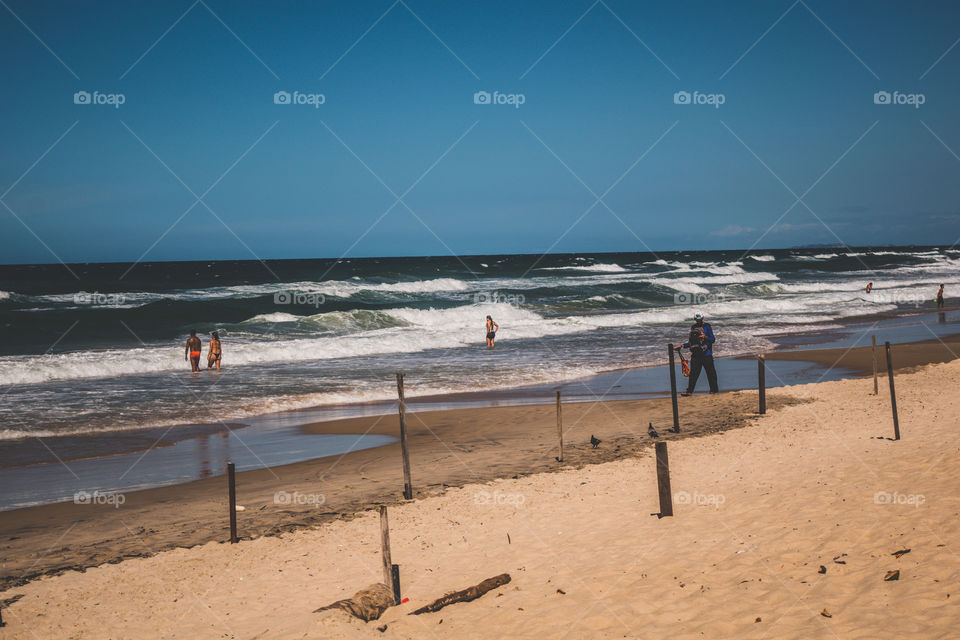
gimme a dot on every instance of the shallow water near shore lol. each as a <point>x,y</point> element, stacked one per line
<point>57,468</point>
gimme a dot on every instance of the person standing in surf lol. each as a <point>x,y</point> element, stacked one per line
<point>214,351</point>
<point>193,349</point>
<point>492,328</point>
<point>700,344</point>
<point>940,298</point>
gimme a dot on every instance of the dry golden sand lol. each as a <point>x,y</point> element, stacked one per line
<point>796,490</point>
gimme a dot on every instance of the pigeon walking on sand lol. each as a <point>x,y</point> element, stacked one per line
<point>595,441</point>
<point>652,432</point>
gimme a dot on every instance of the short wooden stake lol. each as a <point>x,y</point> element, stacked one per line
<point>232,483</point>
<point>673,390</point>
<point>385,546</point>
<point>2,623</point>
<point>873,348</point>
<point>762,383</point>
<point>893,394</point>
<point>663,480</point>
<point>407,484</point>
<point>395,581</point>
<point>560,426</point>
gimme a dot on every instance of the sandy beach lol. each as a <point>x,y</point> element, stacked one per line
<point>783,529</point>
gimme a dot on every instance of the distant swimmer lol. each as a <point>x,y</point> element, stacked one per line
<point>194,346</point>
<point>869,287</point>
<point>214,351</point>
<point>940,298</point>
<point>492,328</point>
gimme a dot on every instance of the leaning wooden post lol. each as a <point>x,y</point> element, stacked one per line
<point>560,426</point>
<point>385,546</point>
<point>673,390</point>
<point>395,581</point>
<point>876,388</point>
<point>407,484</point>
<point>663,480</point>
<point>232,483</point>
<point>893,394</point>
<point>762,383</point>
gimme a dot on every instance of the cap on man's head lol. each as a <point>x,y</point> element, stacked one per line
<point>698,316</point>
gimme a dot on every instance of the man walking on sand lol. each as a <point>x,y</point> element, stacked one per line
<point>700,344</point>
<point>193,348</point>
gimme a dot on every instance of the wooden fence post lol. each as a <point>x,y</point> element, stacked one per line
<point>663,480</point>
<point>232,484</point>
<point>893,394</point>
<point>762,383</point>
<point>385,546</point>
<point>873,348</point>
<point>560,426</point>
<point>673,390</point>
<point>407,484</point>
<point>395,581</point>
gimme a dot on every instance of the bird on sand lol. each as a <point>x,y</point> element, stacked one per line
<point>595,441</point>
<point>652,432</point>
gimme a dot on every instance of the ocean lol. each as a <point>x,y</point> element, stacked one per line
<point>103,351</point>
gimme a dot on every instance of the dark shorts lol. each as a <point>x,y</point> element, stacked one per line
<point>491,335</point>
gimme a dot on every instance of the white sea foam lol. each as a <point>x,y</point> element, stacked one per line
<point>600,268</point>
<point>763,258</point>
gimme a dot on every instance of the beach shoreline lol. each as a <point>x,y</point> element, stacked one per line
<point>448,448</point>
<point>784,528</point>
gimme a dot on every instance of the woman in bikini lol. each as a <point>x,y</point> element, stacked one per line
<point>214,351</point>
<point>492,328</point>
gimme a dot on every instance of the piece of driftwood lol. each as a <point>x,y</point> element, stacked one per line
<point>466,595</point>
<point>367,604</point>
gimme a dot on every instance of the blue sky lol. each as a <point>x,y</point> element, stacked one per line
<point>93,182</point>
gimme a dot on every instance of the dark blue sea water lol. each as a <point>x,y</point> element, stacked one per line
<point>101,349</point>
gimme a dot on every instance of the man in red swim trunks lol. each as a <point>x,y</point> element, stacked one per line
<point>194,347</point>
